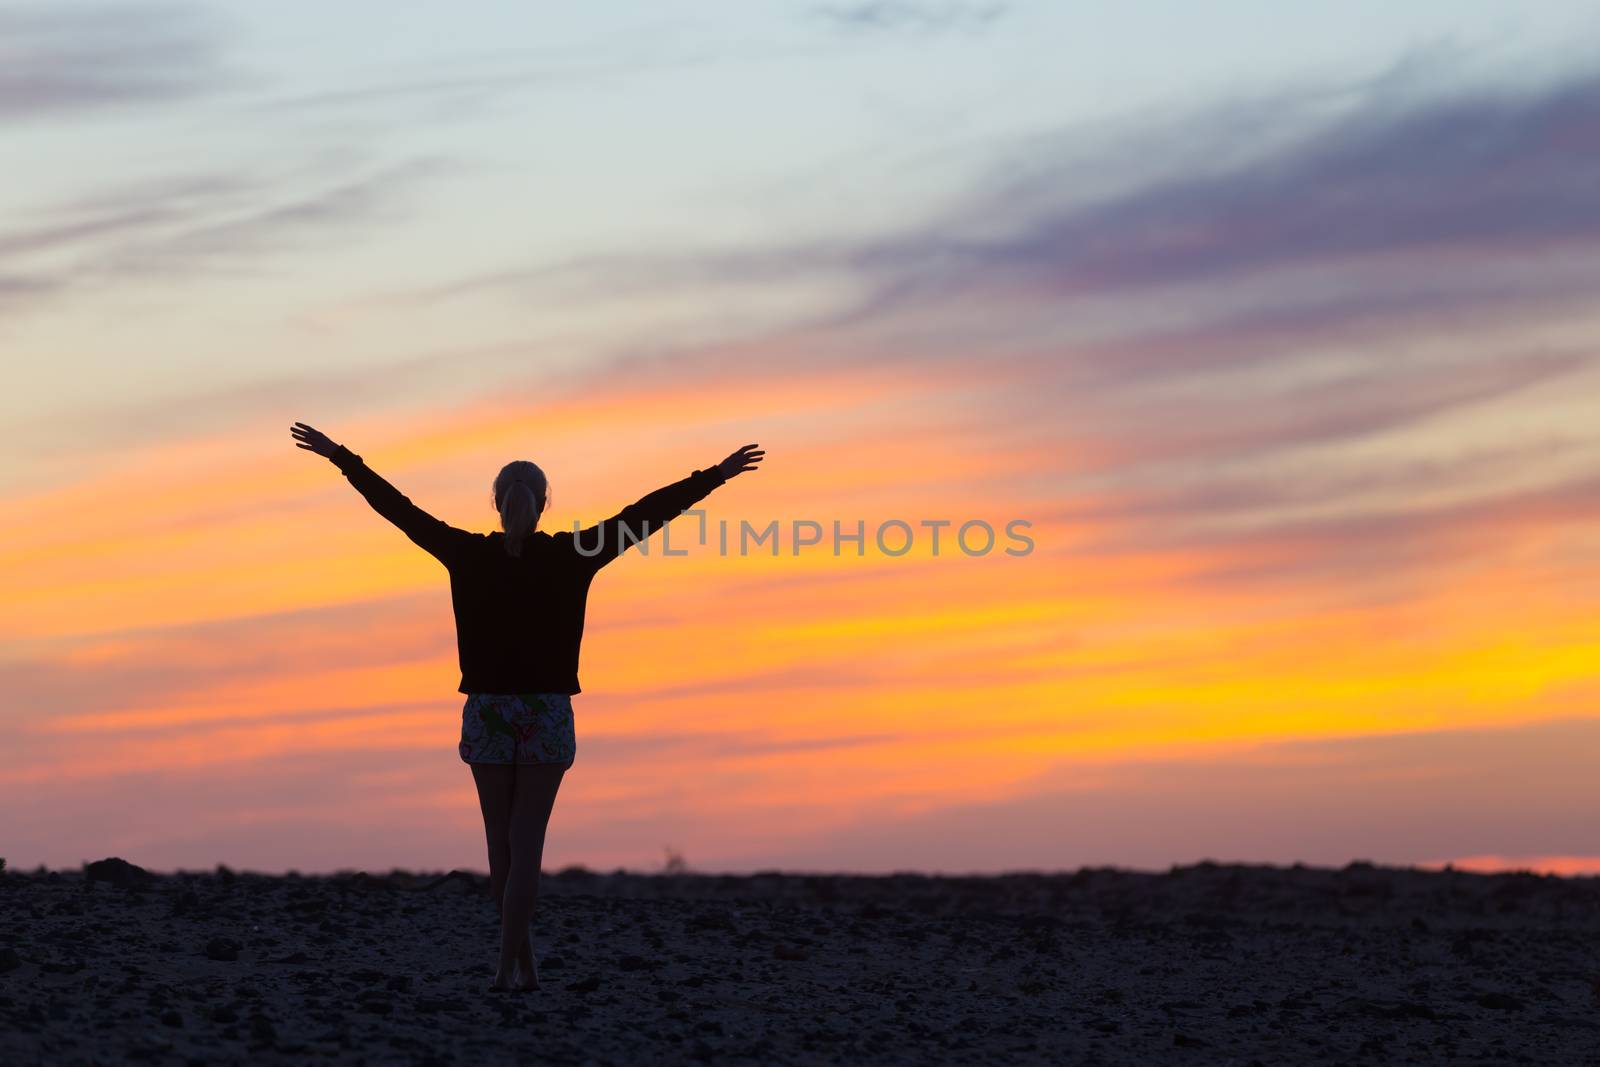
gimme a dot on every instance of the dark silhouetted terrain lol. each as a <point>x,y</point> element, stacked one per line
<point>1204,964</point>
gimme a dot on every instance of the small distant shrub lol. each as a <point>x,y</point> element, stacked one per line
<point>675,863</point>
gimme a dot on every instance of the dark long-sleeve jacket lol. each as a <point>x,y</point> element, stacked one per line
<point>519,619</point>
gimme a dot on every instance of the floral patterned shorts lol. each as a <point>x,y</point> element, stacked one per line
<point>518,728</point>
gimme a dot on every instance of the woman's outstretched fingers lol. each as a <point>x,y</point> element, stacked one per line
<point>313,439</point>
<point>745,459</point>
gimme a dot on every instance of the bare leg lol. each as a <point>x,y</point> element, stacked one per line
<point>495,782</point>
<point>526,975</point>
<point>533,797</point>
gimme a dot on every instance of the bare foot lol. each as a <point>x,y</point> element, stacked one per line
<point>527,975</point>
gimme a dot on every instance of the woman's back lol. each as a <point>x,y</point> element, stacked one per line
<point>519,619</point>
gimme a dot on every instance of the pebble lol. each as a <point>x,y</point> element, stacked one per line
<point>222,948</point>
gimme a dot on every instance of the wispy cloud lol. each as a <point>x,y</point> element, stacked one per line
<point>211,224</point>
<point>56,61</point>
<point>910,16</point>
<point>1498,170</point>
<point>1413,195</point>
<point>1425,189</point>
<point>455,85</point>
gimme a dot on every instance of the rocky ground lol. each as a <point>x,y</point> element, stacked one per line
<point>1203,964</point>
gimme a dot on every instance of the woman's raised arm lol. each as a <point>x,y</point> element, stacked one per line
<point>604,541</point>
<point>439,539</point>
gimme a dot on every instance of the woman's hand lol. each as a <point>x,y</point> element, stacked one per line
<point>316,440</point>
<point>743,460</point>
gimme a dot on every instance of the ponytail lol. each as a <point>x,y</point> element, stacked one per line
<point>520,495</point>
<point>516,516</point>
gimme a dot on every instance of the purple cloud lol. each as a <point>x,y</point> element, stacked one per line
<point>57,62</point>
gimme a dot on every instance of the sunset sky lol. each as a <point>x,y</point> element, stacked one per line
<point>1278,323</point>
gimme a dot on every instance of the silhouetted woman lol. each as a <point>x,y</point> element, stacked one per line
<point>518,596</point>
